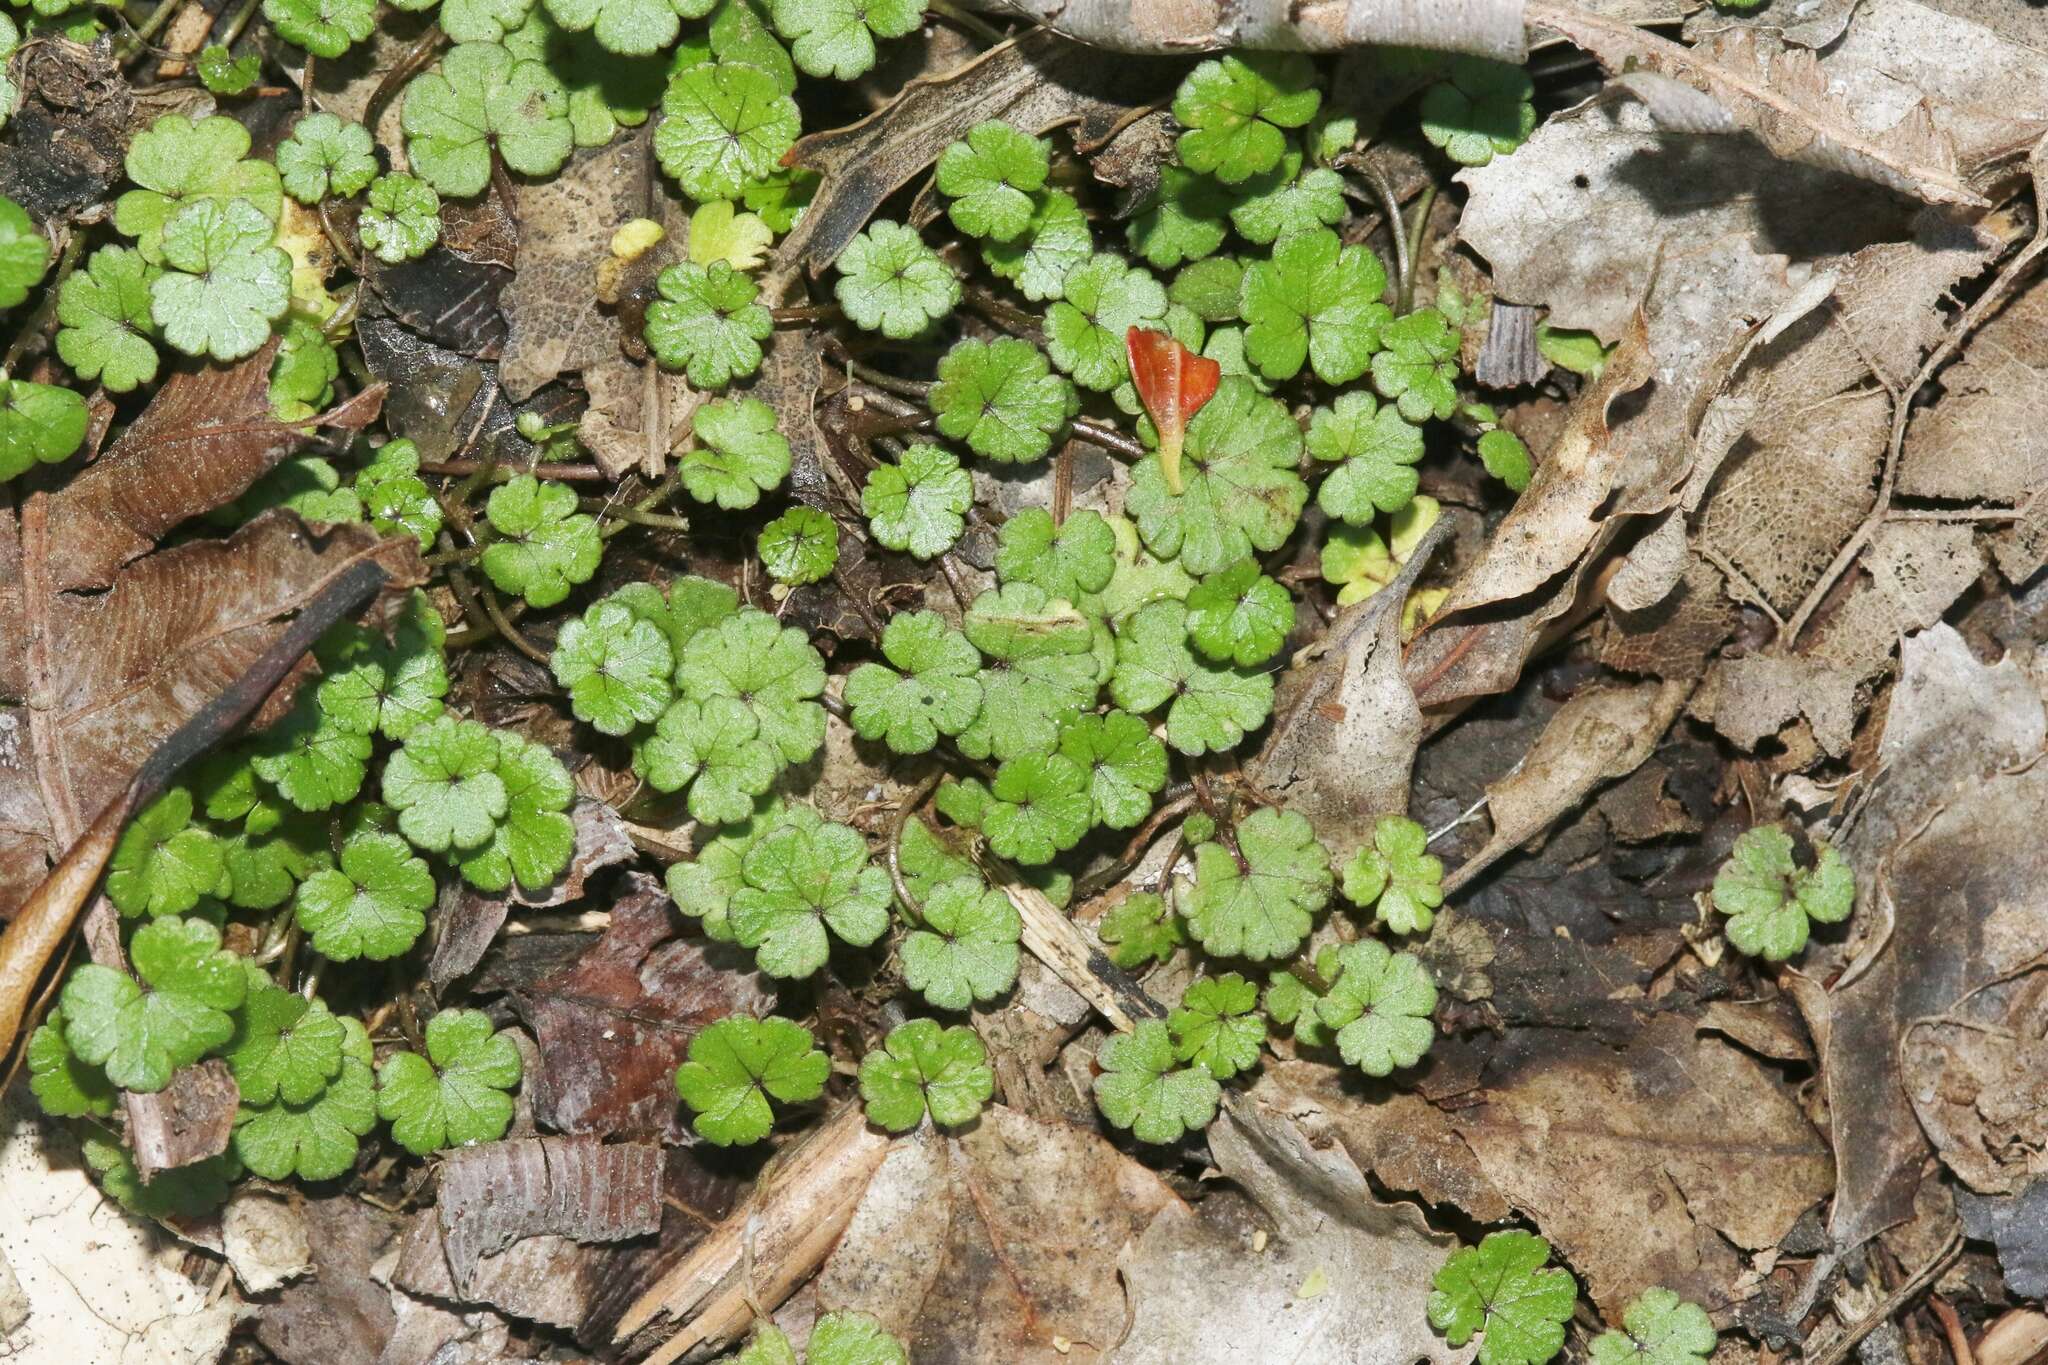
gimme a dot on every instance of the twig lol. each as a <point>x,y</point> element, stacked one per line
<point>1390,212</point>
<point>1738,580</point>
<point>1108,437</point>
<point>1902,404</point>
<point>561,473</point>
<point>1952,1328</point>
<point>906,810</point>
<point>1845,1345</point>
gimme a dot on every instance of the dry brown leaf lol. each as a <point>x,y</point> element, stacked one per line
<point>1490,28</point>
<point>1740,82</point>
<point>997,1244</point>
<point>1344,1276</point>
<point>637,411</point>
<point>338,1315</point>
<point>206,435</point>
<point>1346,723</point>
<point>498,1193</point>
<point>1037,82</point>
<point>1986,441</point>
<point>1638,1164</point>
<point>1597,736</point>
<point>1953,722</point>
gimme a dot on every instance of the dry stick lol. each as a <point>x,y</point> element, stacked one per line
<point>1845,1345</point>
<point>1902,404</point>
<point>1952,1328</point>
<point>45,922</point>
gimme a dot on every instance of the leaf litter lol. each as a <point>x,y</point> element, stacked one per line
<point>1391,927</point>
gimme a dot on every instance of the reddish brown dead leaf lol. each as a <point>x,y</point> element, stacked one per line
<point>204,438</point>
<point>575,1187</point>
<point>1173,384</point>
<point>613,1027</point>
<point>106,676</point>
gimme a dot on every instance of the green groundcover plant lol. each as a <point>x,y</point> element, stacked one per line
<point>1032,548</point>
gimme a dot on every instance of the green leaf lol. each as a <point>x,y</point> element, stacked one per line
<point>1046,670</point>
<point>1500,1288</point>
<point>164,863</point>
<point>1659,1329</point>
<point>836,38</point>
<point>1140,931</point>
<point>1259,901</point>
<point>24,253</point>
<point>179,161</point>
<point>800,881</point>
<point>1084,332</point>
<point>302,379</point>
<point>1318,301</point>
<point>319,1139</point>
<point>373,906</point>
<point>800,546</point>
<point>616,666</point>
<point>723,124</point>
<point>713,747</point>
<point>1771,901</point>
<point>1287,200</point>
<point>737,1065</point>
<point>1218,1027</point>
<point>547,546</point>
<point>392,688</point>
<point>325,155</point>
<point>1067,561</point>
<point>223,73</point>
<point>39,424</point>
<point>401,219</point>
<point>284,1047</point>
<point>1239,616</point>
<point>395,498</point>
<point>703,888</point>
<point>1123,764</point>
<point>1002,398</point>
<point>1571,349</point>
<point>479,21</point>
<point>484,97</point>
<point>922,1067</point>
<point>183,1192</point>
<point>1234,109</point>
<point>606,91</point>
<point>1506,458</point>
<point>64,1084</point>
<point>719,233</point>
<point>444,784</point>
<point>849,1338</point>
<point>1419,367</point>
<point>325,28</point>
<point>313,762</point>
<point>455,1095</point>
<point>966,949</point>
<point>628,27</point>
<point>990,177</point>
<point>1213,706</point>
<point>919,503</point>
<point>264,870</point>
<point>1380,1005</point>
<point>771,669</point>
<point>1375,449</point>
<point>1053,242</point>
<point>1239,488</point>
<point>739,32</point>
<point>1485,109</point>
<point>936,692</point>
<point>1397,875</point>
<point>225,283</point>
<point>1209,289</point>
<point>767,1346</point>
<point>1357,558</point>
<point>707,323</point>
<point>1184,219</point>
<point>964,801</point>
<point>1041,807</point>
<point>1291,1002</point>
<point>891,282</point>
<point>1141,1089</point>
<point>178,1012</point>
<point>104,310</point>
<point>535,840</point>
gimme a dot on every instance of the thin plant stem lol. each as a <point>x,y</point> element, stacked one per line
<point>1412,255</point>
<point>906,810</point>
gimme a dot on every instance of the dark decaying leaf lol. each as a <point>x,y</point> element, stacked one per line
<point>575,1187</point>
<point>65,141</point>
<point>339,1314</point>
<point>189,1121</point>
<point>613,1026</point>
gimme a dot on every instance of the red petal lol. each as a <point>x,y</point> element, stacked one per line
<point>1173,382</point>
